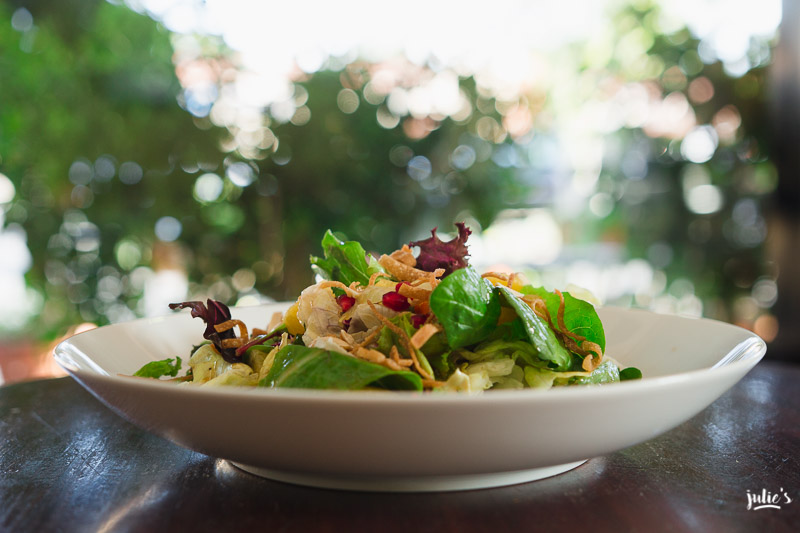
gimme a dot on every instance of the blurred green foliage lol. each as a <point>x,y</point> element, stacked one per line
<point>95,87</point>
<point>99,149</point>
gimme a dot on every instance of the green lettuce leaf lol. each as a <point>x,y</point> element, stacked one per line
<point>312,368</point>
<point>538,377</point>
<point>580,316</point>
<point>516,349</point>
<point>543,338</point>
<point>344,261</point>
<point>157,369</point>
<point>466,306</point>
<point>607,372</point>
<point>388,338</point>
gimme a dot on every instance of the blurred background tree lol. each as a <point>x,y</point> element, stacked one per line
<point>91,142</point>
<point>147,158</point>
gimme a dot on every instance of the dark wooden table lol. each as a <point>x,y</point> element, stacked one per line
<point>67,463</point>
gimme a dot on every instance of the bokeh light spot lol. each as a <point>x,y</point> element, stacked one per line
<point>168,229</point>
<point>87,237</point>
<point>130,173</point>
<point>241,174</point>
<point>128,254</point>
<point>347,100</point>
<point>208,188</point>
<point>726,122</point>
<point>400,155</point>
<point>766,327</point>
<point>419,168</point>
<point>104,168</point>
<point>301,116</point>
<point>601,204</point>
<point>22,20</point>
<point>701,90</point>
<point>243,279</point>
<point>386,119</point>
<point>463,157</point>
<point>7,190</point>
<point>765,292</point>
<point>700,144</point>
<point>704,199</point>
<point>80,172</point>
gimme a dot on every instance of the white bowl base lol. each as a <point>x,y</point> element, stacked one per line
<point>411,484</point>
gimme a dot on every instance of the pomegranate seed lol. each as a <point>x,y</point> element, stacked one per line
<point>345,301</point>
<point>418,320</point>
<point>396,301</point>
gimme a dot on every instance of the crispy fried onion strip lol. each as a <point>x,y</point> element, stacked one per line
<point>360,350</point>
<point>417,293</point>
<point>230,324</point>
<point>244,338</point>
<point>394,353</point>
<point>374,277</point>
<point>591,352</point>
<point>368,340</point>
<point>339,285</point>
<point>405,256</point>
<point>375,356</point>
<point>412,351</point>
<point>346,337</point>
<point>423,334</point>
<point>232,343</point>
<point>404,272</point>
<point>594,355</point>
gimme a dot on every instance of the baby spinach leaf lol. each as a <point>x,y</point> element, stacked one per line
<point>509,331</point>
<point>157,369</point>
<point>580,316</point>
<point>630,373</point>
<point>344,261</point>
<point>466,306</point>
<point>312,368</point>
<point>539,333</point>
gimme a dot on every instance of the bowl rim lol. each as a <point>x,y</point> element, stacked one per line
<point>746,354</point>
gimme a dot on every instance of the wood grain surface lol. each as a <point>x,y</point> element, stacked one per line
<point>67,463</point>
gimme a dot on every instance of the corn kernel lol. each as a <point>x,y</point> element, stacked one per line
<point>293,325</point>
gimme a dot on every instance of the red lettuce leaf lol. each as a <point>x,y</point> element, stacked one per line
<point>436,253</point>
<point>213,313</point>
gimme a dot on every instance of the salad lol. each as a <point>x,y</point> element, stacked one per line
<point>424,322</point>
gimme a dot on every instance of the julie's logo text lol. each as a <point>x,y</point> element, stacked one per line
<point>767,500</point>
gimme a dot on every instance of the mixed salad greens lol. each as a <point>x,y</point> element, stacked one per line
<point>405,322</point>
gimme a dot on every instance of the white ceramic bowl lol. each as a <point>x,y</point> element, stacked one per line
<point>414,441</point>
